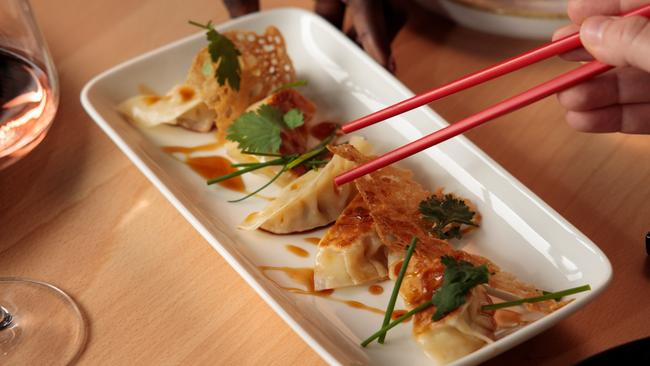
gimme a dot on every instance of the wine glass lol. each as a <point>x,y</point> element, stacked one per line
<point>39,323</point>
<point>29,88</point>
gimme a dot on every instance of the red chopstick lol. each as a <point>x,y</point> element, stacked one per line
<point>553,86</point>
<point>538,54</point>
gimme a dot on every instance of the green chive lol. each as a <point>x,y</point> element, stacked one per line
<point>261,154</point>
<point>317,162</point>
<point>287,161</point>
<point>199,24</point>
<point>262,187</point>
<point>317,150</point>
<point>304,157</point>
<point>279,161</point>
<point>385,329</point>
<point>243,165</point>
<point>550,296</point>
<point>398,284</point>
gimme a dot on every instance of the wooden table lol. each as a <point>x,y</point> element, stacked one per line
<point>78,214</point>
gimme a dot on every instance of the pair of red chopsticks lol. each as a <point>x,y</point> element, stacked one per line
<point>530,96</point>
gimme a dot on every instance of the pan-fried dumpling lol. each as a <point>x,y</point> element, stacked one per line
<point>350,253</point>
<point>393,197</point>
<point>460,332</point>
<point>182,106</point>
<point>201,102</point>
<point>294,141</point>
<point>310,201</point>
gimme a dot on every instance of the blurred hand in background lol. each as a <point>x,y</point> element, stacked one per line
<point>373,23</point>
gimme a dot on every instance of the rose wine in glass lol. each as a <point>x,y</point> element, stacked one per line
<point>27,105</point>
<point>39,323</point>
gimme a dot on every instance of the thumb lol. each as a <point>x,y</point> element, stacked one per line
<point>618,41</point>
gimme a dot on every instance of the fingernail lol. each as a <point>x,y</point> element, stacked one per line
<point>593,29</point>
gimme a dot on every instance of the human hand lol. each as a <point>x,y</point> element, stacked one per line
<point>374,24</point>
<point>618,100</point>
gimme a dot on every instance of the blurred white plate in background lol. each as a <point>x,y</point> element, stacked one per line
<point>529,19</point>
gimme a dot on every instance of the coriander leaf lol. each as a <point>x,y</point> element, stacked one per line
<point>260,131</point>
<point>446,215</point>
<point>294,118</point>
<point>255,133</point>
<point>459,278</point>
<point>287,162</point>
<point>224,53</point>
<point>271,114</point>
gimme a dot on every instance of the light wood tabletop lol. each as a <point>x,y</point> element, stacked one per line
<point>78,214</point>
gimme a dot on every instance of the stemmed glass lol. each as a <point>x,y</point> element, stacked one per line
<point>39,323</point>
<point>29,88</point>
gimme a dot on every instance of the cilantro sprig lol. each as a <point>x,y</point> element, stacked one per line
<point>446,214</point>
<point>458,279</point>
<point>225,54</point>
<point>310,159</point>
<point>260,131</point>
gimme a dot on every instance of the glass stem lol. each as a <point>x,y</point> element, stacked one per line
<point>5,318</point>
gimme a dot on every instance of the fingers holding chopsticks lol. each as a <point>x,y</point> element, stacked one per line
<point>620,86</point>
<point>631,118</point>
<point>618,41</point>
<point>626,118</point>
<point>589,18</point>
<point>618,101</point>
<point>579,54</point>
<point>579,10</point>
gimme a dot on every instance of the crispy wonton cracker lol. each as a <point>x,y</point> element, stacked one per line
<point>265,66</point>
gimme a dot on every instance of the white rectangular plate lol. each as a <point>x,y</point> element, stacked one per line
<point>519,232</point>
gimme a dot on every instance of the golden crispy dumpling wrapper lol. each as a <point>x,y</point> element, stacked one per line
<point>265,66</point>
<point>351,252</point>
<point>393,197</point>
<point>458,334</point>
